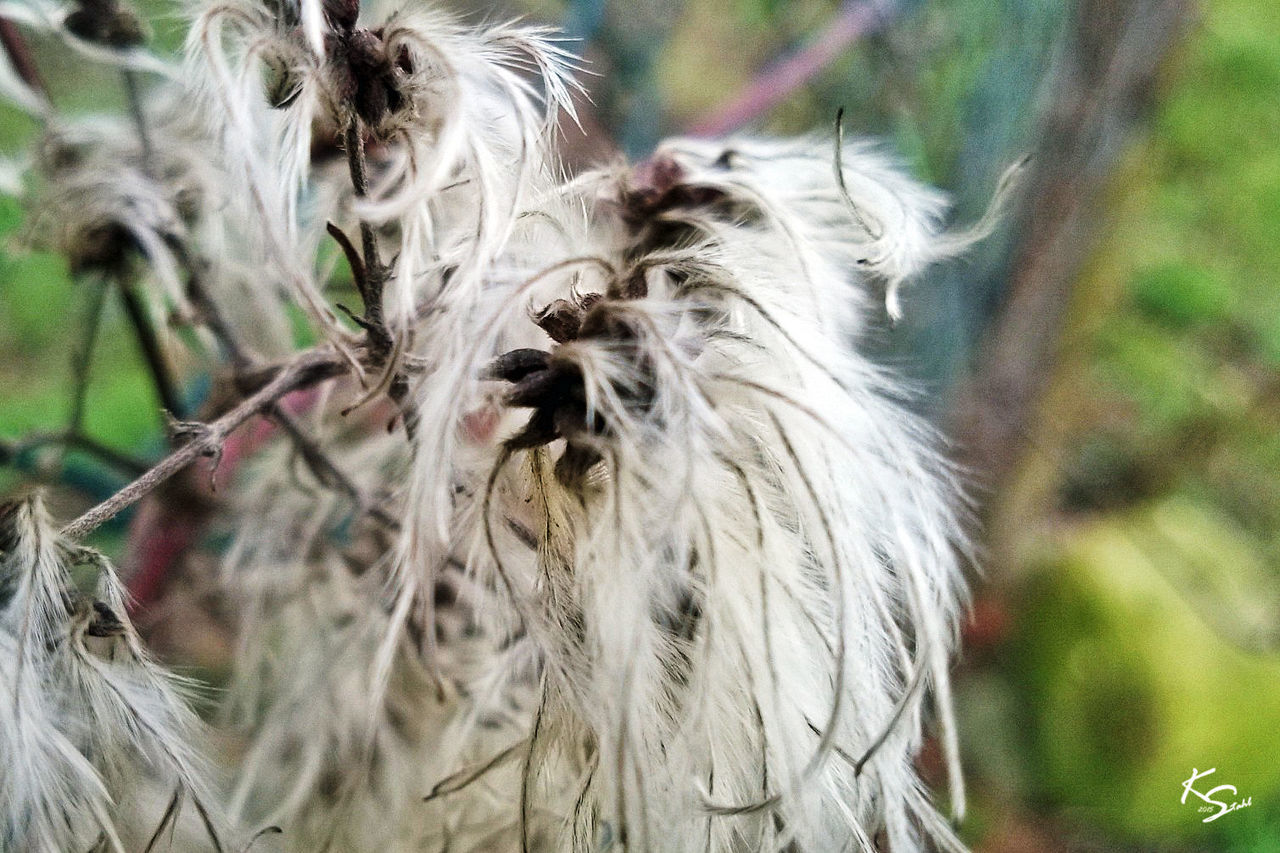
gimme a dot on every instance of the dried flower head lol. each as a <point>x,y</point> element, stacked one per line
<point>93,729</point>
<point>107,22</point>
<point>660,558</point>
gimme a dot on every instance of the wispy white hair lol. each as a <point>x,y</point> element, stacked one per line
<point>738,603</point>
<point>848,203</point>
<point>701,559</point>
<point>267,150</point>
<point>348,723</point>
<point>450,165</point>
<point>94,190</point>
<point>92,730</point>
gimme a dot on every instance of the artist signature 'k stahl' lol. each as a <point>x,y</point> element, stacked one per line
<point>1207,796</point>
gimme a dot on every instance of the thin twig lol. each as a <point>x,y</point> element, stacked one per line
<point>133,94</point>
<point>374,273</point>
<point>308,369</point>
<point>165,383</point>
<point>325,469</point>
<point>190,263</point>
<point>209,312</point>
<point>78,441</point>
<point>371,278</point>
<point>116,458</point>
<point>20,56</point>
<point>353,256</point>
<point>82,361</point>
<point>149,343</point>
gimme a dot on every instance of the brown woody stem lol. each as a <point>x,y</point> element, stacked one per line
<point>310,368</point>
<point>152,351</point>
<point>372,277</point>
<point>15,46</point>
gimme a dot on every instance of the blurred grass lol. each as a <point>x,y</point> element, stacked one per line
<point>1147,524</point>
<point>43,312</point>
<point>1179,344</point>
<point>1133,682</point>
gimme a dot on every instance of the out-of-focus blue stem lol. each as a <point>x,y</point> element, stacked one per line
<point>583,18</point>
<point>945,317</point>
<point>630,96</point>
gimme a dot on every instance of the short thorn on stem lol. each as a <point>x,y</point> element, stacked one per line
<point>353,257</point>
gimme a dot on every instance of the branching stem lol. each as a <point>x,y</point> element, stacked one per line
<point>308,369</point>
<point>371,275</point>
<point>371,278</point>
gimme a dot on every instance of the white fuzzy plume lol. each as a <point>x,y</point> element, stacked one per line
<point>666,562</point>
<point>724,544</point>
<point>700,559</point>
<point>94,735</point>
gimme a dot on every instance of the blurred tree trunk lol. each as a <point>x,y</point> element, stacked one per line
<point>1114,49</point>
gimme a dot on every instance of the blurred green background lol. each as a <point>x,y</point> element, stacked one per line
<point>1126,626</point>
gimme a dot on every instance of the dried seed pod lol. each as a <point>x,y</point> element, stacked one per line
<point>107,22</point>
<point>562,319</point>
<point>370,77</point>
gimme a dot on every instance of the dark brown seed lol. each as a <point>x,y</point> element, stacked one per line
<point>538,431</point>
<point>542,387</point>
<point>516,365</point>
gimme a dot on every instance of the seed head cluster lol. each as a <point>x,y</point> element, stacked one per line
<point>585,523</point>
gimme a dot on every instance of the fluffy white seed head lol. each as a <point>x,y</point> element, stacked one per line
<point>667,562</point>
<point>95,736</point>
